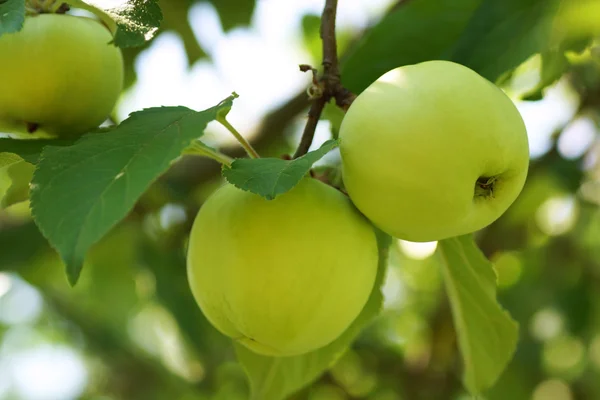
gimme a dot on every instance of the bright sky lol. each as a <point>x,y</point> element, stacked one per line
<point>260,63</point>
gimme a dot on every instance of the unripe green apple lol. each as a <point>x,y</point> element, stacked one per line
<point>433,150</point>
<point>286,276</point>
<point>59,76</point>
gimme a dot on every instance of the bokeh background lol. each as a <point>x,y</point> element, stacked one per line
<point>130,328</point>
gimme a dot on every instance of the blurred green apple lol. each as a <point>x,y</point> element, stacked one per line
<point>286,276</point>
<point>433,150</point>
<point>59,76</point>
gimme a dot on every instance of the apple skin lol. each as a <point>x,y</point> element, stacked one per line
<point>286,276</point>
<point>416,142</point>
<point>59,76</point>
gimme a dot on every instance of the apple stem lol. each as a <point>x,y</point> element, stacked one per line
<point>200,149</point>
<point>245,144</point>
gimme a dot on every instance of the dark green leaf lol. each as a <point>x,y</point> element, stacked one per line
<point>12,16</point>
<point>270,177</point>
<point>234,12</point>
<point>175,19</point>
<point>136,21</point>
<point>418,31</point>
<point>487,335</point>
<point>490,36</point>
<point>28,150</point>
<point>503,34</point>
<point>276,378</point>
<point>80,192</point>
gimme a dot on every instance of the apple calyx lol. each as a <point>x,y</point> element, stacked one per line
<point>32,127</point>
<point>36,7</point>
<point>484,186</point>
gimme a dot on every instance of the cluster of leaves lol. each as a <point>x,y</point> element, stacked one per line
<point>81,190</point>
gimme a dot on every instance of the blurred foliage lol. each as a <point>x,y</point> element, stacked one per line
<point>232,13</point>
<point>141,336</point>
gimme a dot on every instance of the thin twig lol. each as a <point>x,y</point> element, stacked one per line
<point>311,125</point>
<point>330,59</point>
<point>329,86</point>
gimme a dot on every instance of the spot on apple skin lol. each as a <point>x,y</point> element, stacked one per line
<point>258,347</point>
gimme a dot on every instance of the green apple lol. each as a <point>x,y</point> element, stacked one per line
<point>433,150</point>
<point>286,276</point>
<point>59,76</point>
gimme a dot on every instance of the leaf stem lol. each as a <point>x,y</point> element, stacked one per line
<point>245,144</point>
<point>200,149</point>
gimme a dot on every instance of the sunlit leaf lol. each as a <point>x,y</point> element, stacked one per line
<point>8,159</point>
<point>133,22</point>
<point>487,335</point>
<point>554,65</point>
<point>20,174</point>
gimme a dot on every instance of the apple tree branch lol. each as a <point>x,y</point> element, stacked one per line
<point>329,85</point>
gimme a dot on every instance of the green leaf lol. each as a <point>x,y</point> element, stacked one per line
<point>8,159</point>
<point>311,26</point>
<point>578,19</point>
<point>489,36</point>
<point>133,22</point>
<point>417,31</point>
<point>270,177</point>
<point>554,65</point>
<point>276,378</point>
<point>80,192</point>
<point>28,150</point>
<point>20,174</point>
<point>487,335</point>
<point>335,116</point>
<point>175,19</point>
<point>503,34</point>
<point>234,13</point>
<point>12,16</point>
